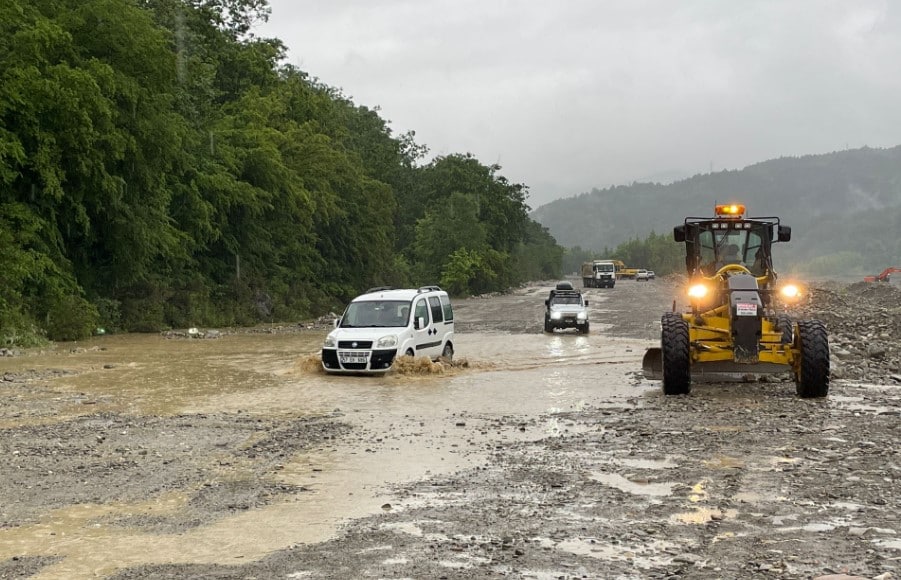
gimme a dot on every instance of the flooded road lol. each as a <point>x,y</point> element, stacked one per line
<point>534,456</point>
<point>406,425</point>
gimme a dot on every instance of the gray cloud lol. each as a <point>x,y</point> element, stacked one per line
<point>575,94</point>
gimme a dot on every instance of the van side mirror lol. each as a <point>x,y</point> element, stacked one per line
<point>679,233</point>
<point>785,234</point>
<point>586,303</point>
<point>547,302</point>
<point>337,322</point>
<point>419,323</point>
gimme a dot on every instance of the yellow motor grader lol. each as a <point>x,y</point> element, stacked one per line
<point>737,323</point>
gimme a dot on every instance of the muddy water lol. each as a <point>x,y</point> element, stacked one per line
<point>410,425</point>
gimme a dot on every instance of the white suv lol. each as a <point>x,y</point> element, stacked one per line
<point>642,275</point>
<point>384,323</point>
<point>566,308</point>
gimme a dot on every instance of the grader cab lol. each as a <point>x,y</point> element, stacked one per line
<point>737,322</point>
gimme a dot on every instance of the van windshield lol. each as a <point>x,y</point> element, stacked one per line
<point>376,314</point>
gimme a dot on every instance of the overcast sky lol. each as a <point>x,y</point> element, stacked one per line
<point>568,95</point>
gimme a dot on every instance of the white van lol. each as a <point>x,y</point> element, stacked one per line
<point>385,323</point>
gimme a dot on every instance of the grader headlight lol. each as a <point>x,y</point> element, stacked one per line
<point>698,291</point>
<point>791,293</point>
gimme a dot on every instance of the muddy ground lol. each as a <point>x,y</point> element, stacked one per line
<point>736,480</point>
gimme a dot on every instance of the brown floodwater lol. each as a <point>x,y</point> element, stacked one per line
<point>429,420</point>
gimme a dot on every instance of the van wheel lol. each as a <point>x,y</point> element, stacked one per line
<point>448,352</point>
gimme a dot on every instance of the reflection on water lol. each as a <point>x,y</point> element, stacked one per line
<point>634,486</point>
<point>411,424</point>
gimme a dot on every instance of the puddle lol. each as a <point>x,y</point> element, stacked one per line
<point>851,507</point>
<point>635,487</point>
<point>747,497</point>
<point>859,404</point>
<point>777,462</point>
<point>645,556</point>
<point>703,515</point>
<point>723,462</point>
<point>667,463</point>
<point>890,544</point>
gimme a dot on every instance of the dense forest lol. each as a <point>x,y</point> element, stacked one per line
<point>844,209</point>
<point>160,166</point>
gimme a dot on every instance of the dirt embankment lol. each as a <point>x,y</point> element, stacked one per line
<point>864,323</point>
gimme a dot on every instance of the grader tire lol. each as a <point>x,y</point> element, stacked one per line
<point>812,380</point>
<point>785,324</point>
<point>676,358</point>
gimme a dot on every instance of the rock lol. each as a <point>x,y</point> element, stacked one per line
<point>687,558</point>
<point>876,351</point>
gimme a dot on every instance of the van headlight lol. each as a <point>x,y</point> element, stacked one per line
<point>556,316</point>
<point>582,316</point>
<point>330,342</point>
<point>387,341</point>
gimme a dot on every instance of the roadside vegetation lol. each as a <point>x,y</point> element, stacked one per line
<point>657,252</point>
<point>163,168</point>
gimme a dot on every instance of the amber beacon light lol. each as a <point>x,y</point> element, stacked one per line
<point>734,210</point>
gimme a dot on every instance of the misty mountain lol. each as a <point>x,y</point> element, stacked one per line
<point>844,207</point>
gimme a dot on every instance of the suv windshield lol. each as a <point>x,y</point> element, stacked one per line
<point>570,299</point>
<point>374,314</point>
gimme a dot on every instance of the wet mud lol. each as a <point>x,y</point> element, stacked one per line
<point>531,455</point>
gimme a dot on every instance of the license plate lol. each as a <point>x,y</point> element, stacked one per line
<point>353,358</point>
<point>742,309</point>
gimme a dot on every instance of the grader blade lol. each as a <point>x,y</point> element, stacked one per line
<point>652,364</point>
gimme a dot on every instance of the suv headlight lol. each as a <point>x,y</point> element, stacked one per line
<point>330,342</point>
<point>555,315</point>
<point>582,315</point>
<point>387,341</point>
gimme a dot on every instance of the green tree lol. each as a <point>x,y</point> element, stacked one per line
<point>444,230</point>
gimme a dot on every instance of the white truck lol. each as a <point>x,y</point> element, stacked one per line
<point>598,274</point>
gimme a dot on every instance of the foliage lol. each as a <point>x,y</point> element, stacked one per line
<point>166,165</point>
<point>656,252</point>
<point>71,318</point>
<point>460,271</point>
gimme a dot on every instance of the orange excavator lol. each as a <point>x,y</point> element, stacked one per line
<point>885,276</point>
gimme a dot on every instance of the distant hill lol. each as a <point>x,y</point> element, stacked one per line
<point>844,208</point>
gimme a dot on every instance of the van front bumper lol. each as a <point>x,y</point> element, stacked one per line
<point>357,361</point>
